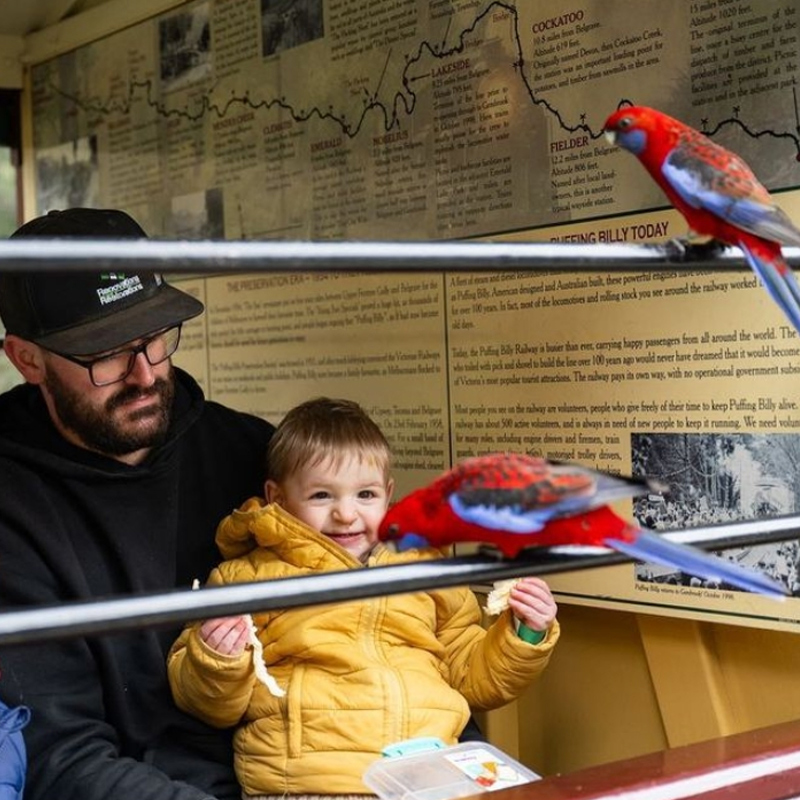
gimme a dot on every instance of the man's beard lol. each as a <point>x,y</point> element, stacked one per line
<point>97,429</point>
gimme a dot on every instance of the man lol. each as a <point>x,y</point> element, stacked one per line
<point>114,472</point>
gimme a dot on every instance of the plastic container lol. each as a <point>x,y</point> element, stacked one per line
<point>440,774</point>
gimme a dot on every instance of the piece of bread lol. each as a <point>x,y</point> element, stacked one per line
<point>497,599</point>
<point>262,673</point>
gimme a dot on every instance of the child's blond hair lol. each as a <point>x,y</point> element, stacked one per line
<point>324,429</point>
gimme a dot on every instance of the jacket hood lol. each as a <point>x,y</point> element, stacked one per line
<point>27,434</point>
<point>258,525</point>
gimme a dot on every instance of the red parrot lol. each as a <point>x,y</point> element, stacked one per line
<point>516,501</point>
<point>717,193</point>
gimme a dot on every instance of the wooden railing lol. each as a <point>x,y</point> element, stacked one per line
<point>758,765</point>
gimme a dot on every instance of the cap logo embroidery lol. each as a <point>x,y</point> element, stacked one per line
<point>119,291</point>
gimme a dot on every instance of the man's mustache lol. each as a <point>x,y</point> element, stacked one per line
<point>131,393</point>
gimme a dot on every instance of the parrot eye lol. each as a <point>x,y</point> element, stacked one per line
<point>393,530</point>
<point>625,122</point>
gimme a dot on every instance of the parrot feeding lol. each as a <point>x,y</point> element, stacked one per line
<point>515,501</point>
<point>716,192</point>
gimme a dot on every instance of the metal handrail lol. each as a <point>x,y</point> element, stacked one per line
<point>229,256</point>
<point>111,615</point>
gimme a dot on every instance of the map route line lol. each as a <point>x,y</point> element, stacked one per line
<point>404,101</point>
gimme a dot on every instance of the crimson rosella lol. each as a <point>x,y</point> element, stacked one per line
<point>716,192</point>
<point>515,501</point>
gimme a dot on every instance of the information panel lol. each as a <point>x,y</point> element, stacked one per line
<point>443,119</point>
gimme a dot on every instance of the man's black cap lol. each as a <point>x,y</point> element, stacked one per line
<point>81,314</point>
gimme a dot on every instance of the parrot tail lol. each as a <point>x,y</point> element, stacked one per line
<point>650,547</point>
<point>778,279</point>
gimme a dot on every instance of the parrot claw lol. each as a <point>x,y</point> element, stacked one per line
<point>707,250</point>
<point>490,551</point>
<point>683,250</point>
<point>675,249</point>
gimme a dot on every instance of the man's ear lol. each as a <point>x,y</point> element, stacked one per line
<point>27,357</point>
<point>273,492</point>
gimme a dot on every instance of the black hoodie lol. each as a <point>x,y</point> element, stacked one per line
<point>77,525</point>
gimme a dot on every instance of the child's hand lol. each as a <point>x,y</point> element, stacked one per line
<point>532,604</point>
<point>226,635</point>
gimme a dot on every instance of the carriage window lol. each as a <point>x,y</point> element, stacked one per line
<point>9,160</point>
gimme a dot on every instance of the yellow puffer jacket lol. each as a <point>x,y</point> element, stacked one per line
<point>357,675</point>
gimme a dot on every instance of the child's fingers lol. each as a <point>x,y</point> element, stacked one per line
<point>533,603</point>
<point>535,587</point>
<point>226,635</point>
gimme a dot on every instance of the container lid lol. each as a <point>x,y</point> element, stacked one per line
<point>459,771</point>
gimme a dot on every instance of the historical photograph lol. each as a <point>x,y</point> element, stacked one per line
<point>289,23</point>
<point>719,478</point>
<point>67,175</point>
<point>184,43</point>
<point>199,215</point>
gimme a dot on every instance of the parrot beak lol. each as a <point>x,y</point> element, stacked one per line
<point>393,531</point>
<point>610,136</point>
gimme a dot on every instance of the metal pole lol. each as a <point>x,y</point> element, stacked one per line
<point>162,609</point>
<point>223,256</point>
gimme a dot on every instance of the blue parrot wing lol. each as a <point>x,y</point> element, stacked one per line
<point>513,518</point>
<point>702,185</point>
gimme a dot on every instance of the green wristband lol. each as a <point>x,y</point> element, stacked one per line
<point>529,635</point>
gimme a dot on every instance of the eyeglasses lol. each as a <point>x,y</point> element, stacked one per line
<point>115,367</point>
